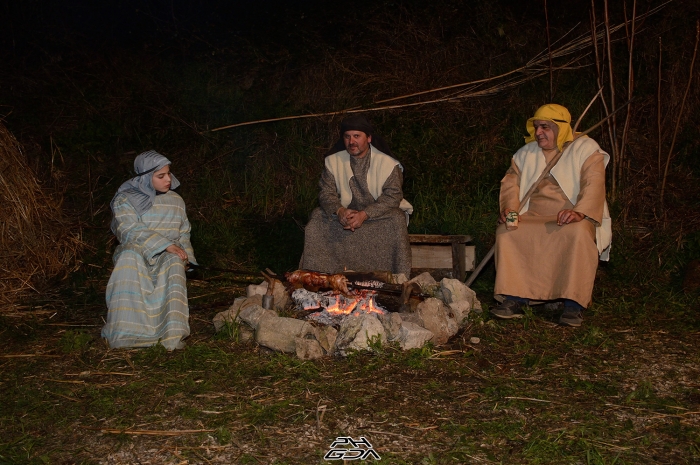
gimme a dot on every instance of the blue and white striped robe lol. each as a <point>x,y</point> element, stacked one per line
<point>147,293</point>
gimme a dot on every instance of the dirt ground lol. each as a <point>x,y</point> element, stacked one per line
<point>612,391</point>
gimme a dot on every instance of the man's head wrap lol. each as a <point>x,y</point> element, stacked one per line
<point>557,114</point>
<point>356,123</point>
<point>359,123</point>
<point>139,190</point>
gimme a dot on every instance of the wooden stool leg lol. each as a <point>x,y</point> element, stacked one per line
<point>458,258</point>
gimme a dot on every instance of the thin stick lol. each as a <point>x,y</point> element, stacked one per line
<point>224,270</point>
<point>532,399</point>
<point>549,50</point>
<point>90,197</point>
<point>680,113</point>
<point>580,118</point>
<point>630,88</point>
<point>481,266</point>
<point>658,109</point>
<point>387,107</point>
<point>599,67</point>
<point>390,434</point>
<point>101,373</point>
<point>320,412</point>
<point>137,432</point>
<point>532,68</point>
<point>612,96</point>
<point>599,72</point>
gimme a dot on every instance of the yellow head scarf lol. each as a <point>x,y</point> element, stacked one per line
<point>557,114</point>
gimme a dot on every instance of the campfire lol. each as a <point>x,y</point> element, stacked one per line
<point>331,307</point>
<point>345,312</point>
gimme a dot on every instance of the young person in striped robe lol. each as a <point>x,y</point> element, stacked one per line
<point>146,293</point>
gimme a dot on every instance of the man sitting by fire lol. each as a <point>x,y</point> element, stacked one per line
<point>564,227</point>
<point>361,224</point>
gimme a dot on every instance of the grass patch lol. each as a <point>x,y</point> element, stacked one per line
<point>75,341</point>
<point>620,389</point>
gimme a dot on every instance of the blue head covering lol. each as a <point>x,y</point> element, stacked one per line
<point>139,190</point>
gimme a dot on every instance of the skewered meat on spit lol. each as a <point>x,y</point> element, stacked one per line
<point>312,280</point>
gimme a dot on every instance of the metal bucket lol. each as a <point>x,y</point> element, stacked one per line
<point>267,301</point>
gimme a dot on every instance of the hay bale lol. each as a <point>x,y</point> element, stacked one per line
<point>36,243</point>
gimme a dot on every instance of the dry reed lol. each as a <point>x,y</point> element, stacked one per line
<point>680,113</point>
<point>36,244</point>
<point>575,50</point>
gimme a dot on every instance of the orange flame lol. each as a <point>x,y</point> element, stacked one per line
<point>337,308</point>
<point>373,308</point>
<point>363,301</point>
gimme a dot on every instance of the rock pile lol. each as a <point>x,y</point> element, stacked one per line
<point>435,319</point>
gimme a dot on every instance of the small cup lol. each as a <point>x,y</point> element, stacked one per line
<point>267,301</point>
<point>512,220</point>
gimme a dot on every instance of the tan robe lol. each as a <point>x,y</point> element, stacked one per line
<point>541,260</point>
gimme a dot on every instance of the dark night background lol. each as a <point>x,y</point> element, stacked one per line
<point>87,85</point>
<point>96,82</point>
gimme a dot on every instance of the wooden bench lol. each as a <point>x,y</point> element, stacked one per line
<point>442,256</point>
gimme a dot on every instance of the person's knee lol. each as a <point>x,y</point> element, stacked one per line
<point>128,256</point>
<point>173,262</point>
<point>316,219</point>
<point>397,217</point>
<point>317,214</point>
<point>581,230</point>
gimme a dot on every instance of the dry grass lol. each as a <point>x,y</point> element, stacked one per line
<point>621,389</point>
<point>36,243</point>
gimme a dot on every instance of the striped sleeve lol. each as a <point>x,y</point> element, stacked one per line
<point>129,230</point>
<point>185,243</point>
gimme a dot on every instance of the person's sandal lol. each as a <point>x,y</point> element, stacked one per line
<point>507,310</point>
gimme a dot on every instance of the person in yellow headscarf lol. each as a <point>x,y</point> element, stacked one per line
<point>562,230</point>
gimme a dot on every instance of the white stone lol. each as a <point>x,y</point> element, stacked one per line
<point>437,318</point>
<point>256,289</point>
<point>222,318</point>
<point>232,314</point>
<point>327,336</point>
<point>461,311</point>
<point>424,280</point>
<point>280,333</point>
<point>392,325</point>
<point>252,313</point>
<point>413,336</point>
<point>308,348</point>
<point>474,340</point>
<point>399,278</point>
<point>411,317</point>
<point>454,290</point>
<point>357,332</point>
<point>243,332</point>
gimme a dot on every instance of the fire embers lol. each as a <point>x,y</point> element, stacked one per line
<point>333,307</point>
